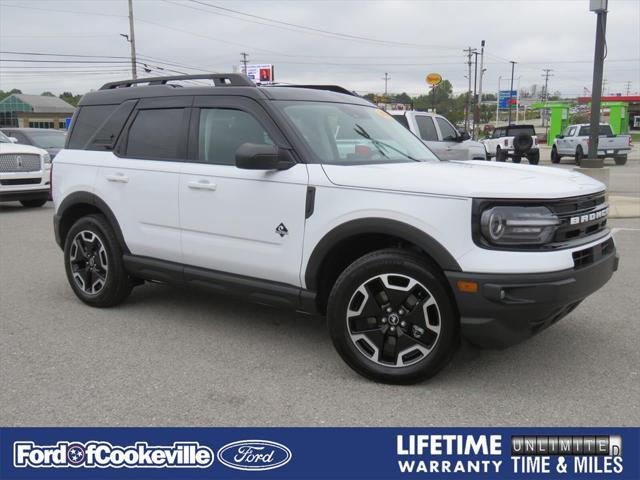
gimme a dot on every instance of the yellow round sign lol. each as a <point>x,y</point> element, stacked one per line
<point>433,79</point>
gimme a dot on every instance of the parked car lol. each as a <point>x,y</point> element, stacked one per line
<point>24,173</point>
<point>574,143</point>
<point>440,135</point>
<point>315,200</point>
<point>46,138</point>
<point>514,142</point>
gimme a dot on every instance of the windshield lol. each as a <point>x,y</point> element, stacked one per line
<point>346,134</point>
<point>47,139</point>
<point>4,138</point>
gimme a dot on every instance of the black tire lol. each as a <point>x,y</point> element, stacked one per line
<point>32,203</point>
<point>534,158</point>
<point>579,155</point>
<point>620,159</point>
<point>516,159</point>
<point>414,332</point>
<point>555,158</point>
<point>500,155</point>
<point>92,257</point>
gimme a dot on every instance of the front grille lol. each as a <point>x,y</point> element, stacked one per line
<point>20,181</point>
<point>11,162</point>
<point>585,257</point>
<point>580,217</point>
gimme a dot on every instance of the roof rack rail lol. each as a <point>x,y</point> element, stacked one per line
<point>330,88</point>
<point>219,80</point>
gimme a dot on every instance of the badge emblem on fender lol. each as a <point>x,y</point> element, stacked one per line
<point>282,230</point>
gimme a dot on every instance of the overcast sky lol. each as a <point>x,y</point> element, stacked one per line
<point>407,39</point>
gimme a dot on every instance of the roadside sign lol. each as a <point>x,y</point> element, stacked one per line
<point>503,98</point>
<point>262,73</point>
<point>433,79</point>
<point>67,123</point>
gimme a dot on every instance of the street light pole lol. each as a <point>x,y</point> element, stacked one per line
<point>498,102</point>
<point>600,9</point>
<point>513,64</point>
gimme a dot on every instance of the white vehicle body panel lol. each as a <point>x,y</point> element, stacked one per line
<point>229,218</point>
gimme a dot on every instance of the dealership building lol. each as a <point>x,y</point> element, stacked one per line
<point>34,111</point>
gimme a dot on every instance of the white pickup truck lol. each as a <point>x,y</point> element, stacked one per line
<point>440,135</point>
<point>574,142</point>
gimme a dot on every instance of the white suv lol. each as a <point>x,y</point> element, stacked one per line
<point>24,173</point>
<point>316,200</point>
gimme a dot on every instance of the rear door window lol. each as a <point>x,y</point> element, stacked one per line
<point>157,134</point>
<point>426,128</point>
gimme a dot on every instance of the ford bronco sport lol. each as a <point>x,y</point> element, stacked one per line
<point>312,198</point>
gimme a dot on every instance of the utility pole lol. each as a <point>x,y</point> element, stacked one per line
<point>386,81</point>
<point>475,95</point>
<point>628,88</point>
<point>545,94</point>
<point>481,75</point>
<point>600,9</point>
<point>244,62</point>
<point>467,106</point>
<point>132,42</point>
<point>513,64</point>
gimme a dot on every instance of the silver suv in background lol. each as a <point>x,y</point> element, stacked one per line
<point>440,135</point>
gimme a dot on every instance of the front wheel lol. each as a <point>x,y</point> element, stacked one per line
<point>32,203</point>
<point>555,158</point>
<point>93,262</point>
<point>391,318</point>
<point>579,155</point>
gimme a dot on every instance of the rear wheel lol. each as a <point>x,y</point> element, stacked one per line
<point>391,318</point>
<point>555,158</point>
<point>620,159</point>
<point>579,155</point>
<point>32,203</point>
<point>93,262</point>
<point>534,158</point>
<point>500,155</point>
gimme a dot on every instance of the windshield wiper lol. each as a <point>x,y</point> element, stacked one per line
<point>380,145</point>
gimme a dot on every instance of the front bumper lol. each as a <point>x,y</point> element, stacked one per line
<point>17,195</point>
<point>508,308</point>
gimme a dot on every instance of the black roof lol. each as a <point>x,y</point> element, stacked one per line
<point>118,92</point>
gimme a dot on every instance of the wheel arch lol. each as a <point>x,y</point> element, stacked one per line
<point>345,243</point>
<point>80,204</point>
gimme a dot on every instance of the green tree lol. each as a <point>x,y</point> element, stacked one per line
<point>71,98</point>
<point>47,94</point>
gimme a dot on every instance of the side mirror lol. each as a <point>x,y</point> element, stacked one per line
<point>463,136</point>
<point>253,156</point>
<point>13,139</point>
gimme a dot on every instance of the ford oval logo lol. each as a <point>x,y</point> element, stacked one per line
<point>254,455</point>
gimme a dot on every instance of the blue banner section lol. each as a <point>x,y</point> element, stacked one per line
<point>505,96</point>
<point>320,453</point>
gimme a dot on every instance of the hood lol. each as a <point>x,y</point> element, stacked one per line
<point>19,148</point>
<point>472,178</point>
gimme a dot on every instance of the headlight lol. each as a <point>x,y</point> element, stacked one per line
<point>46,158</point>
<point>518,225</point>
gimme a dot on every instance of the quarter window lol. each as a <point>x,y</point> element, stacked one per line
<point>87,121</point>
<point>427,128</point>
<point>448,132</point>
<point>156,134</point>
<point>222,131</point>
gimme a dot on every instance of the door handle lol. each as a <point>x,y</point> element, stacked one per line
<point>118,177</point>
<point>201,185</point>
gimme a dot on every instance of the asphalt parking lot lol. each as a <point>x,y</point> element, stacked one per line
<point>174,357</point>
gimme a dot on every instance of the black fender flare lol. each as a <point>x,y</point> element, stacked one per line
<point>386,226</point>
<point>83,197</point>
